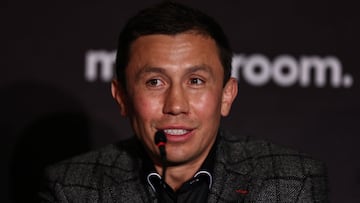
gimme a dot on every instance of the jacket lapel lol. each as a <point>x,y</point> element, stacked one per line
<point>122,182</point>
<point>232,171</point>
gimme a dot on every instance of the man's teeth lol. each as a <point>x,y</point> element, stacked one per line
<point>176,131</point>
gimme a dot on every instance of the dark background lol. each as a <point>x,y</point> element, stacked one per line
<point>49,111</point>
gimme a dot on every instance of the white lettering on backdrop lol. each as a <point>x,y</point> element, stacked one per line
<point>255,69</point>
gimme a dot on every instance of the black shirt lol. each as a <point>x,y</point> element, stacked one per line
<point>194,190</point>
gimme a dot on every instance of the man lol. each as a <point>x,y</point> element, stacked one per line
<point>173,66</point>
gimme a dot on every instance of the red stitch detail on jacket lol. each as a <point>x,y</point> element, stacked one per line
<point>243,192</point>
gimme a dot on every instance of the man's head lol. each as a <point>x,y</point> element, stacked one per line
<point>174,81</point>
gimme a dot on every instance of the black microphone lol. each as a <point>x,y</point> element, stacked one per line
<point>160,141</point>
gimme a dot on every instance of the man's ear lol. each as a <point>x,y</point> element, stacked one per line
<point>118,93</point>
<point>228,96</point>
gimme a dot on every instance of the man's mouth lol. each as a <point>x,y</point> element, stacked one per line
<point>176,132</point>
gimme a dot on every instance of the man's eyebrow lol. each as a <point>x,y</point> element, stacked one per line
<point>201,67</point>
<point>149,69</point>
<point>192,69</point>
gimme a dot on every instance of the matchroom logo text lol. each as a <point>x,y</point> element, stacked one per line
<point>255,69</point>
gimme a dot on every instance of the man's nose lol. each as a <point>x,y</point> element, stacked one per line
<point>176,101</point>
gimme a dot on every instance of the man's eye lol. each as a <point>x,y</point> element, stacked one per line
<point>196,81</point>
<point>154,82</point>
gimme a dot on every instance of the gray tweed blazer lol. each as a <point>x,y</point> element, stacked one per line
<point>246,170</point>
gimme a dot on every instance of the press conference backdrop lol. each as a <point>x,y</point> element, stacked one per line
<point>297,63</point>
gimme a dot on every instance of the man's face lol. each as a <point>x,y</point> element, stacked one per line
<point>175,84</point>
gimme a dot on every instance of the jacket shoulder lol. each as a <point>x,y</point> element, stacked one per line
<point>109,174</point>
<point>84,169</point>
<point>269,159</point>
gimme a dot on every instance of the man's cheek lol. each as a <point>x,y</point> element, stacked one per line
<point>204,102</point>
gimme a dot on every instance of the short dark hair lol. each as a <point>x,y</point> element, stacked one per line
<point>170,18</point>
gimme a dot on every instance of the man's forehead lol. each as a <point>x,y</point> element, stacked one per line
<point>173,46</point>
<point>158,50</point>
<point>182,53</point>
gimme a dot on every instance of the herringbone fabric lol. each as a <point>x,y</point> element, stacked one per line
<point>246,170</point>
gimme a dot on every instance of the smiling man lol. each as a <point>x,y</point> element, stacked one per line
<point>173,66</point>
<point>173,85</point>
